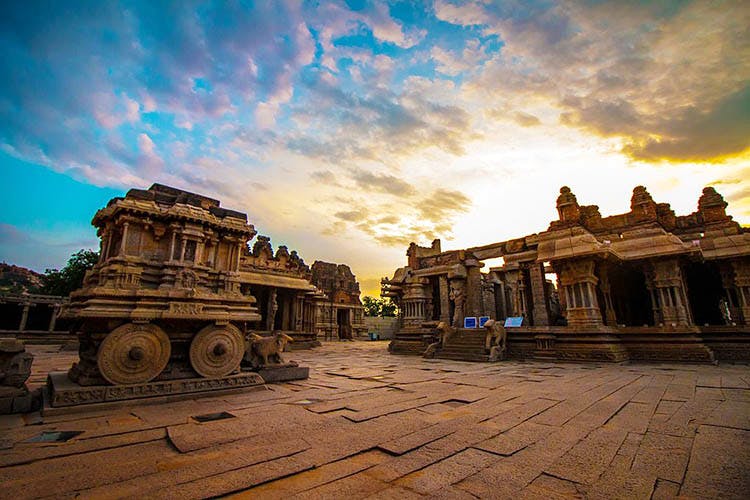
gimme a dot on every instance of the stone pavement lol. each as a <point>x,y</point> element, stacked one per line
<point>371,425</point>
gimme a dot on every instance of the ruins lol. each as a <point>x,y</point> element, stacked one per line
<point>645,285</point>
<point>179,303</point>
<point>342,315</point>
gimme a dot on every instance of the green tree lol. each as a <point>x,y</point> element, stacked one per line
<point>378,307</point>
<point>371,305</point>
<point>70,277</point>
<point>387,307</point>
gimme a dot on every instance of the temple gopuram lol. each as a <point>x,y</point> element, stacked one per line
<point>643,285</point>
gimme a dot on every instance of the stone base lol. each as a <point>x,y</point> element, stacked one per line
<point>62,392</point>
<point>19,400</point>
<point>284,373</point>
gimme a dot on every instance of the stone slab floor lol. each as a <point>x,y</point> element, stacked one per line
<point>371,425</point>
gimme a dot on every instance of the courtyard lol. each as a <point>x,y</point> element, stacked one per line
<point>367,424</point>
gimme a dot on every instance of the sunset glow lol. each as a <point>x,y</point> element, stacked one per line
<point>346,130</point>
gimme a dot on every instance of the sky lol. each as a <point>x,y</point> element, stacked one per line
<point>347,130</point>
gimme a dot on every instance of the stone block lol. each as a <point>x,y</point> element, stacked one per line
<point>284,373</point>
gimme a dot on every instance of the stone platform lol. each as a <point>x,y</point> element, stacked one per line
<point>62,393</point>
<point>367,424</point>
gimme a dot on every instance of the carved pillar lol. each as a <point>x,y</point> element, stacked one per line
<point>669,287</point>
<point>604,285</point>
<point>413,302</point>
<point>271,308</point>
<point>445,305</point>
<point>578,285</point>
<point>540,299</point>
<point>731,293</point>
<point>183,245</point>
<point>521,305</point>
<point>299,313</point>
<point>458,299</point>
<point>742,283</point>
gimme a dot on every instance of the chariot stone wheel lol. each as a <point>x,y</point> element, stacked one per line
<point>217,351</point>
<point>133,354</point>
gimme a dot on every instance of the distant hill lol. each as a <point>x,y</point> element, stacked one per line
<point>16,279</point>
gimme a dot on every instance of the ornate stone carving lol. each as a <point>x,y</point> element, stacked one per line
<point>262,349</point>
<point>495,340</point>
<point>217,351</point>
<point>15,363</point>
<point>133,354</point>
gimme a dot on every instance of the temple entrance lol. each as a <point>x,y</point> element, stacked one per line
<point>705,293</point>
<point>630,297</point>
<point>343,322</point>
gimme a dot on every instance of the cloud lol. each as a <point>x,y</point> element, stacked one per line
<point>382,182</point>
<point>443,204</point>
<point>526,120</point>
<point>670,80</point>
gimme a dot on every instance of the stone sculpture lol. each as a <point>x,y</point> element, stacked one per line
<point>15,369</point>
<point>496,340</point>
<point>444,332</point>
<point>262,349</point>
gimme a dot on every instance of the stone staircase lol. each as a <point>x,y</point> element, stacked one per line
<point>464,345</point>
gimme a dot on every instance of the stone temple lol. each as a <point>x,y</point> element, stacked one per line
<point>180,303</point>
<point>643,285</point>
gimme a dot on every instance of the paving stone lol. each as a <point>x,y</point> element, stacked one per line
<point>719,464</point>
<point>438,429</point>
<point>662,456</point>
<point>730,414</point>
<point>516,439</point>
<point>447,472</point>
<point>285,487</point>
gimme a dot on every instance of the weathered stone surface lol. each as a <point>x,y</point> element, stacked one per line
<point>615,437</point>
<point>642,285</point>
<point>64,392</point>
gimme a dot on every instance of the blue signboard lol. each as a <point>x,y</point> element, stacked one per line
<point>512,321</point>
<point>483,320</point>
<point>470,322</point>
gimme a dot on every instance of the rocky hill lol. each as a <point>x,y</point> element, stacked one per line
<point>16,279</point>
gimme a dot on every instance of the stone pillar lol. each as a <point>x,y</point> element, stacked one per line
<point>742,283</point>
<point>604,285</point>
<point>183,244</point>
<point>124,240</point>
<point>271,307</point>
<point>445,305</point>
<point>473,289</point>
<point>53,318</point>
<point>731,293</point>
<point>540,298</point>
<point>171,245</point>
<point>670,290</point>
<point>578,284</point>
<point>299,313</point>
<point>458,298</point>
<point>24,317</point>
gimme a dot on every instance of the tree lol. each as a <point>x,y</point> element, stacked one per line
<point>70,277</point>
<point>387,307</point>
<point>378,307</point>
<point>371,305</point>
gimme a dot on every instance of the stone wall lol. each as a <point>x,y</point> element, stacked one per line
<point>384,327</point>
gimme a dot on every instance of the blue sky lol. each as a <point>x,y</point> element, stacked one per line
<point>348,129</point>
